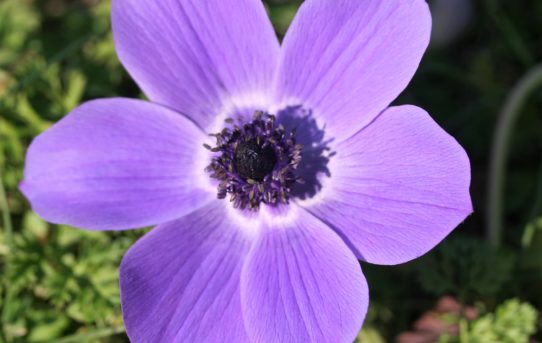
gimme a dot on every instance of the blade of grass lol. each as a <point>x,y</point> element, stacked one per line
<point>499,155</point>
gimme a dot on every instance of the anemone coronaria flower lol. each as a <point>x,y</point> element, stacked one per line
<point>269,169</point>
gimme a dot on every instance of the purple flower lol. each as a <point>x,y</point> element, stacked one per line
<point>311,168</point>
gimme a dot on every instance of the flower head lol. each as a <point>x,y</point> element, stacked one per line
<point>256,163</point>
<point>268,169</point>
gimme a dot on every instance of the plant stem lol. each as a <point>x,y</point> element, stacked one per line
<point>6,218</point>
<point>499,155</point>
<point>8,233</point>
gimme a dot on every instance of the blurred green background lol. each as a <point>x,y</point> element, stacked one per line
<point>59,284</point>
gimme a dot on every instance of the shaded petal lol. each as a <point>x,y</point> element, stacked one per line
<point>301,283</point>
<point>115,164</point>
<point>397,188</point>
<point>197,56</point>
<point>180,282</point>
<point>348,60</point>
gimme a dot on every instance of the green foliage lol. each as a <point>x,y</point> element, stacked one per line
<point>282,13</point>
<point>531,256</point>
<point>369,335</point>
<point>57,281</point>
<point>512,322</point>
<point>532,236</point>
<point>466,267</point>
<point>18,20</point>
<point>61,277</point>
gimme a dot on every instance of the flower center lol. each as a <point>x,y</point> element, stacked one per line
<point>255,162</point>
<point>252,161</point>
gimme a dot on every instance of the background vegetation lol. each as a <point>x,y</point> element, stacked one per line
<point>59,284</point>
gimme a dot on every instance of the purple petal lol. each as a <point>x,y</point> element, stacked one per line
<point>115,164</point>
<point>397,188</point>
<point>301,283</point>
<point>180,282</point>
<point>348,60</point>
<point>197,57</point>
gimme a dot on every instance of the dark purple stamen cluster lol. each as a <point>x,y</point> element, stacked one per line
<point>255,162</point>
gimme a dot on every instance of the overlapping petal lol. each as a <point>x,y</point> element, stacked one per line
<point>115,164</point>
<point>180,282</point>
<point>397,188</point>
<point>301,283</point>
<point>197,56</point>
<point>347,60</point>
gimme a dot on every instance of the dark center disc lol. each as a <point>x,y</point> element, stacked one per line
<point>251,161</point>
